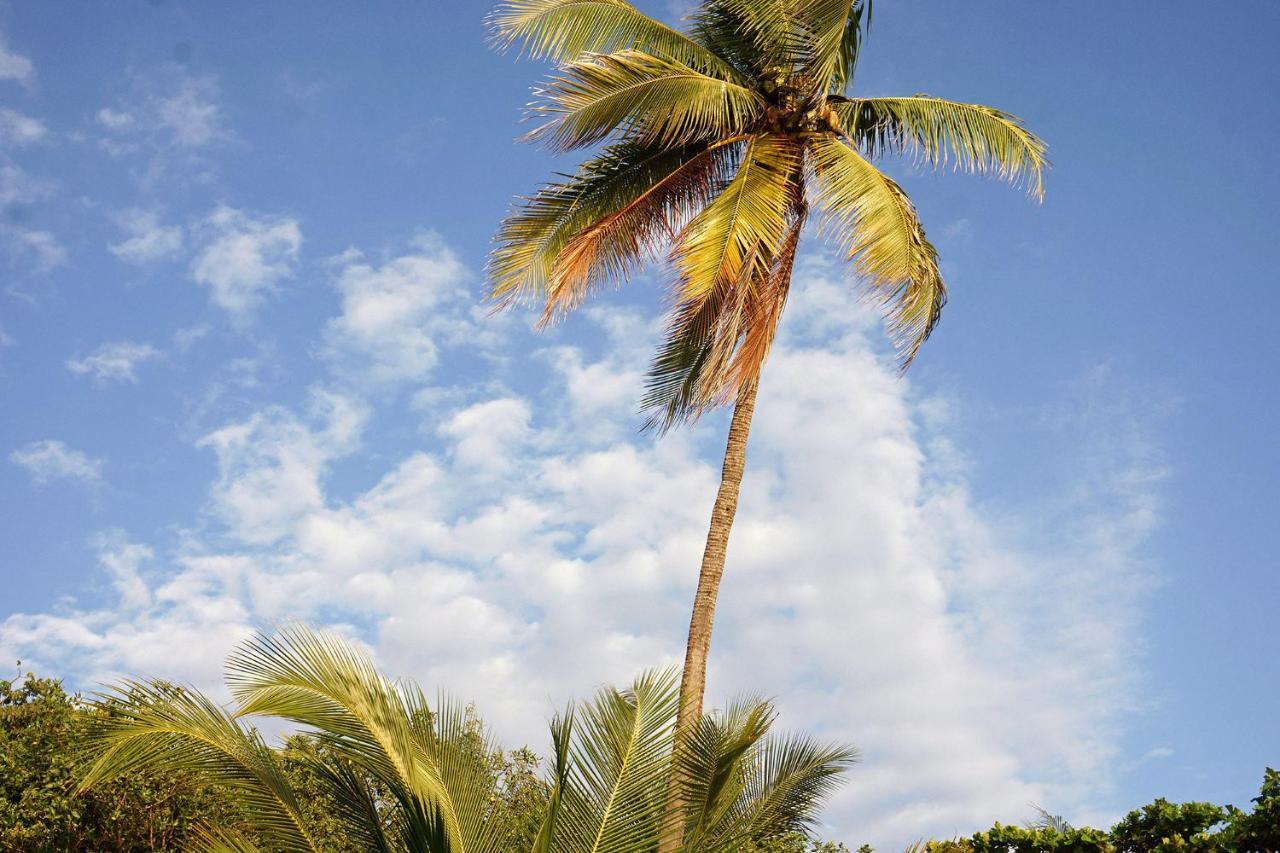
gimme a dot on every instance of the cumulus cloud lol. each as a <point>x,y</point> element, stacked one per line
<point>50,460</point>
<point>244,257</point>
<point>977,654</point>
<point>397,314</point>
<point>19,129</point>
<point>14,66</point>
<point>114,362</point>
<point>18,187</point>
<point>148,239</point>
<point>271,466</point>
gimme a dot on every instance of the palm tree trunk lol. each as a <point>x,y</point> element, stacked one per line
<point>693,684</point>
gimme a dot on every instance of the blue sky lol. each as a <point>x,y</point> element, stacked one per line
<point>245,377</point>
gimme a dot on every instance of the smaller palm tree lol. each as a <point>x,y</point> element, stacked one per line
<point>405,776</point>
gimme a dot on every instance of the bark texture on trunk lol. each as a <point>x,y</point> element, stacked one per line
<point>693,683</point>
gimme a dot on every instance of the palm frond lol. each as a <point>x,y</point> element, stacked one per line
<point>791,777</point>
<point>761,38</point>
<point>530,240</point>
<point>714,764</point>
<point>152,726</point>
<point>643,98</point>
<point>563,30</point>
<point>724,260</point>
<point>838,28</point>
<point>620,758</point>
<point>561,737</point>
<point>323,681</point>
<point>974,137</point>
<point>609,248</point>
<point>876,224</point>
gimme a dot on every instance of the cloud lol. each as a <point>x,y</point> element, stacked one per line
<point>39,248</point>
<point>14,66</point>
<point>19,129</point>
<point>51,460</point>
<point>149,241</point>
<point>114,362</point>
<point>271,466</point>
<point>244,258</point>
<point>979,654</point>
<point>167,106</point>
<point>18,187</point>
<point>396,315</point>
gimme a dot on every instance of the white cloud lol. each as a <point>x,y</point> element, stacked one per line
<point>18,187</point>
<point>123,561</point>
<point>167,106</point>
<point>51,460</point>
<point>244,258</point>
<point>149,240</point>
<point>396,315</point>
<point>272,465</point>
<point>39,248</point>
<point>19,129</point>
<point>114,119</point>
<point>979,655</point>
<point>114,362</point>
<point>14,66</point>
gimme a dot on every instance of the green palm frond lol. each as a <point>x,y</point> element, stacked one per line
<point>837,28</point>
<point>876,224</point>
<point>564,30</point>
<point>152,726</point>
<point>645,99</point>
<point>620,758</point>
<point>561,737</point>
<point>761,38</point>
<point>974,137</point>
<point>524,263</point>
<point>323,681</point>
<point>715,763</point>
<point>791,777</point>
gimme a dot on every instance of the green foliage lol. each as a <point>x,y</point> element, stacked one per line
<point>385,771</point>
<point>1158,826</point>
<point>42,730</point>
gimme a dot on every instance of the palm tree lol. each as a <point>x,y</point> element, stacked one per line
<point>719,140</point>
<point>402,776</point>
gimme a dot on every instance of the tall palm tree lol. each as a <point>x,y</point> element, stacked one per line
<point>403,776</point>
<point>718,142</point>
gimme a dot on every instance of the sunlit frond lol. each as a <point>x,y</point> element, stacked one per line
<point>609,248</point>
<point>646,99</point>
<point>973,137</point>
<point>153,726</point>
<point>563,30</point>
<point>876,224</point>
<point>837,28</point>
<point>523,264</point>
<point>324,681</point>
<point>620,758</point>
<point>561,738</point>
<point>723,262</point>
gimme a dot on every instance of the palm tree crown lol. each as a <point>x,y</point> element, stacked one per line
<point>718,142</point>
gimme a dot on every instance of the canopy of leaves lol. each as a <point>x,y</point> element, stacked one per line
<point>718,139</point>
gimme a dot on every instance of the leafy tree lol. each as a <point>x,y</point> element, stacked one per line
<point>42,730</point>
<point>719,142</point>
<point>1158,826</point>
<point>385,771</point>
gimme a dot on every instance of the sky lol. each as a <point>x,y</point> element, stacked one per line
<point>246,376</point>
